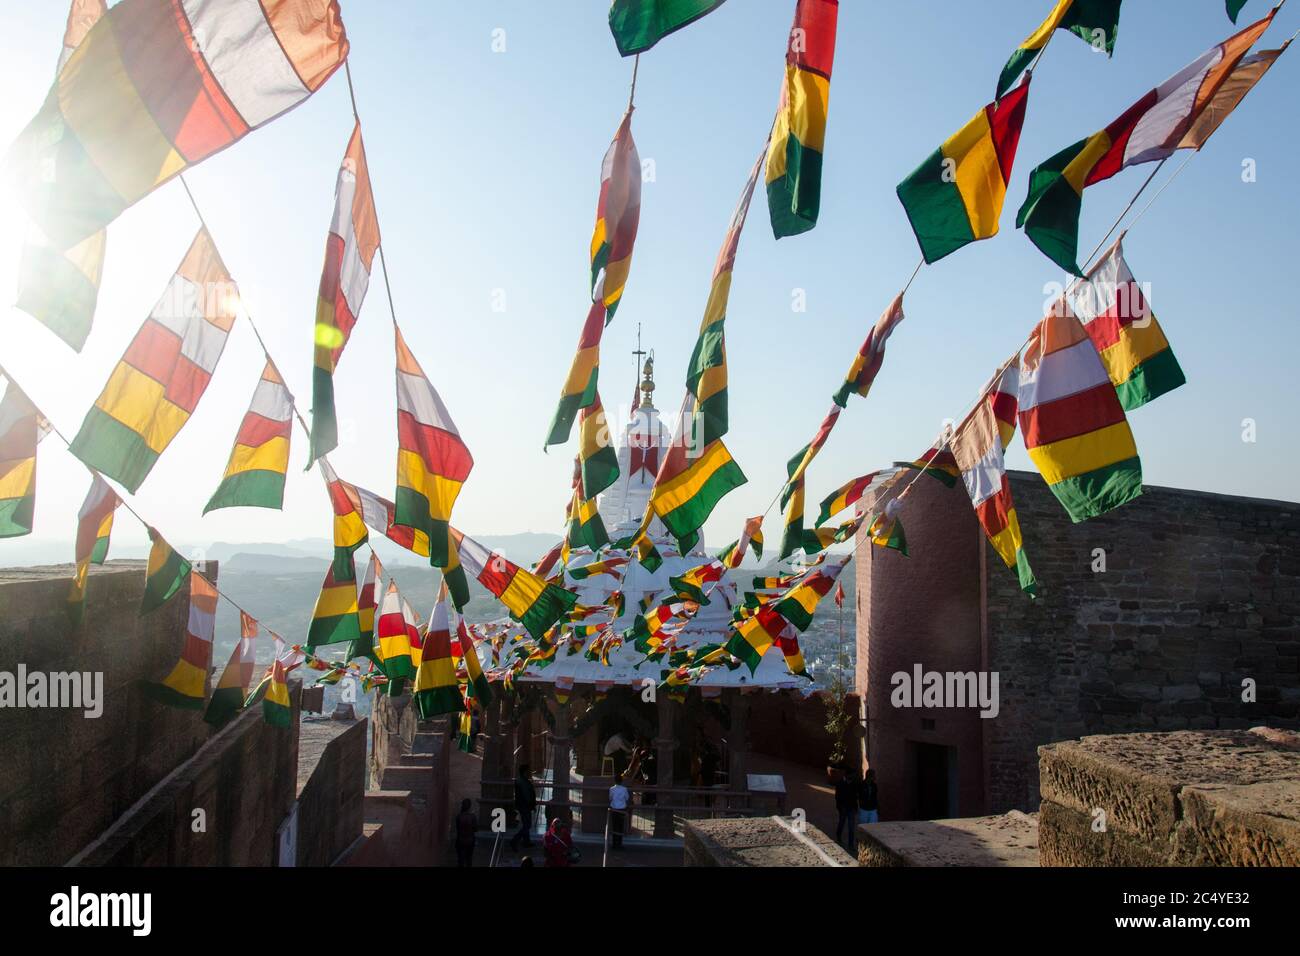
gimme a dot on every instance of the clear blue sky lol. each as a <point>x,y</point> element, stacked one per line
<point>486,168</point>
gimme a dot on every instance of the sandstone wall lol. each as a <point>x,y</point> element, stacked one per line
<point>331,800</point>
<point>66,777</point>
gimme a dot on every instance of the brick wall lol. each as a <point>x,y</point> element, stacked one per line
<point>244,779</point>
<point>1200,591</point>
<point>66,777</point>
<point>793,727</point>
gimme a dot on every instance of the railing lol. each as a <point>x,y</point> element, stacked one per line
<point>668,809</point>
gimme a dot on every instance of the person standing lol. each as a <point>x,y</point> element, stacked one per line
<point>525,804</point>
<point>466,825</point>
<point>620,798</point>
<point>846,809</point>
<point>869,800</point>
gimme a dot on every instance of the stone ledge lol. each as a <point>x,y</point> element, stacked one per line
<point>1188,798</point>
<point>759,841</point>
<point>1007,840</point>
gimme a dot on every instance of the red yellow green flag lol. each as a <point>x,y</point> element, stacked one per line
<point>156,386</point>
<point>232,687</point>
<point>335,618</point>
<point>165,572</point>
<point>349,254</point>
<point>94,525</point>
<point>21,429</point>
<point>1096,22</point>
<point>866,364</point>
<point>798,143</point>
<point>436,691</point>
<point>254,475</point>
<point>187,684</point>
<point>530,600</point>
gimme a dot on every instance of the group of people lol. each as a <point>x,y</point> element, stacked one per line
<point>856,801</point>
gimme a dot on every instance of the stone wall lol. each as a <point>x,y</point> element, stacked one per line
<point>66,777</point>
<point>331,795</point>
<point>244,779</point>
<point>1200,591</point>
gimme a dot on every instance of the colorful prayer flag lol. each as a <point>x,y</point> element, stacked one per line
<point>530,601</point>
<point>367,603</point>
<point>187,684</point>
<point>432,460</point>
<point>618,215</point>
<point>165,572</point>
<point>779,621</point>
<point>94,524</point>
<point>792,536</point>
<point>1249,71</point>
<point>349,523</point>
<point>690,584</point>
<point>800,460</point>
<point>21,429</point>
<point>335,618</point>
<point>60,288</point>
<point>254,475</point>
<point>1119,320</point>
<point>955,197</point>
<point>638,25</point>
<point>611,566</point>
<point>157,86</point>
<point>396,634</point>
<point>156,386</point>
<point>277,707</point>
<point>585,527</point>
<point>851,492</point>
<point>733,554</point>
<point>1072,420</point>
<point>938,463</point>
<point>1096,22</point>
<point>647,630</point>
<point>886,531</point>
<point>1151,129</point>
<point>349,255</point>
<point>798,142</point>
<point>866,364</point>
<point>598,461</point>
<point>477,687</point>
<point>706,376</point>
<point>232,687</point>
<point>436,691</point>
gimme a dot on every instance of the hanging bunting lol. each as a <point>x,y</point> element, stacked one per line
<point>938,463</point>
<point>165,572</point>
<point>254,475</point>
<point>60,289</point>
<point>618,215</point>
<point>530,601</point>
<point>647,633</point>
<point>94,525</point>
<point>477,687</point>
<point>156,386</point>
<point>22,427</point>
<point>187,684</point>
<point>799,462</point>
<point>780,621</point>
<point>432,460</point>
<point>345,278</point>
<point>706,376</point>
<point>690,585</point>
<point>277,707</point>
<point>638,25</point>
<point>349,525</point>
<point>955,197</point>
<point>1151,129</point>
<point>886,530</point>
<point>585,527</point>
<point>752,536</point>
<point>436,691</point>
<point>395,633</point>
<point>598,461</point>
<point>367,603</point>
<point>158,86</point>
<point>792,536</point>
<point>1119,320</point>
<point>1073,424</point>
<point>1249,71</point>
<point>979,452</point>
<point>866,364</point>
<point>232,687</point>
<point>798,143</point>
<point>610,566</point>
<point>1096,22</point>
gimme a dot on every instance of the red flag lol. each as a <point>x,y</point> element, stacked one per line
<point>839,594</point>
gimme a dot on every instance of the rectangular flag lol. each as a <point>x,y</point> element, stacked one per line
<point>938,463</point>
<point>1151,129</point>
<point>798,464</point>
<point>798,141</point>
<point>530,601</point>
<point>395,632</point>
<point>690,584</point>
<point>477,687</point>
<point>60,288</point>
<point>367,603</point>
<point>734,554</point>
<point>978,451</point>
<point>618,216</point>
<point>706,376</point>
<point>164,574</point>
<point>349,523</point>
<point>955,197</point>
<point>432,460</point>
<point>187,684</point>
<point>1072,420</point>
<point>866,364</point>
<point>436,690</point>
<point>21,429</point>
<point>156,386</point>
<point>638,25</point>
<point>349,254</point>
<point>94,525</point>
<point>1119,320</point>
<point>851,492</point>
<point>1096,22</point>
<point>232,687</point>
<point>585,527</point>
<point>254,475</point>
<point>335,618</point>
<point>598,461</point>
<point>792,536</point>
<point>779,621</point>
<point>157,86</point>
